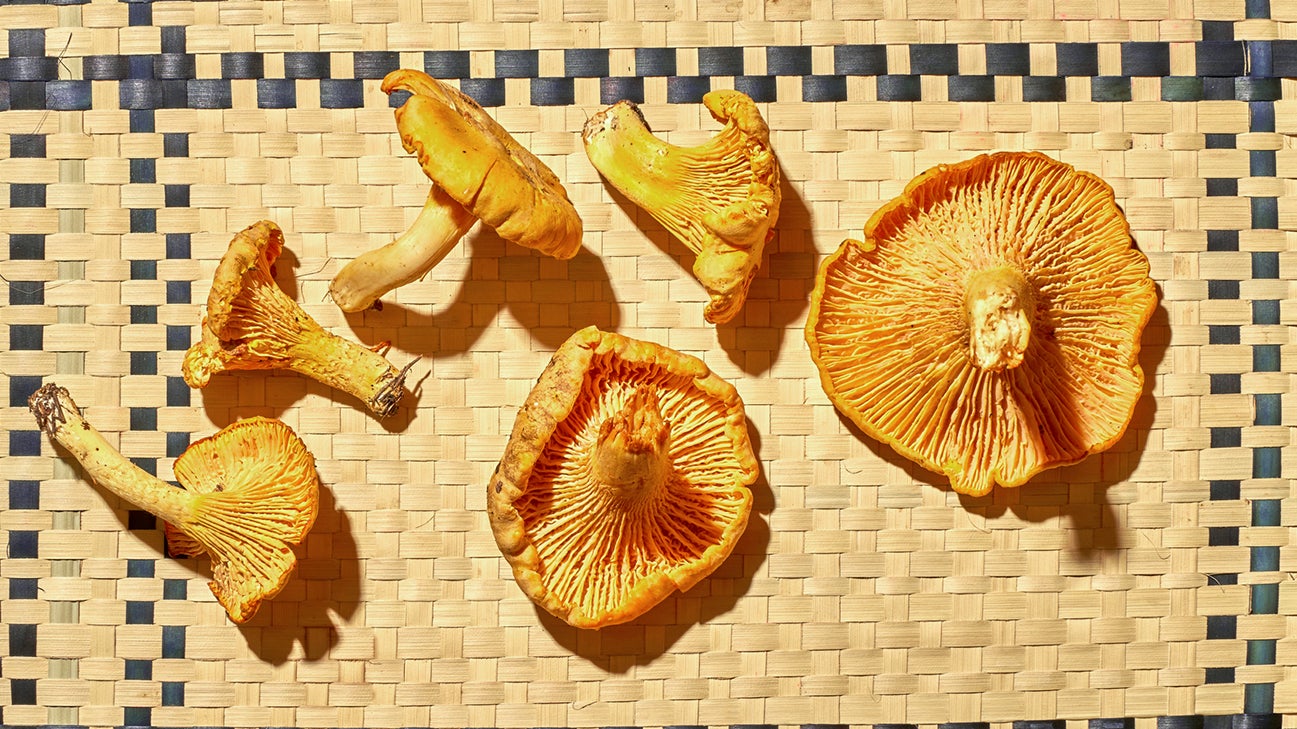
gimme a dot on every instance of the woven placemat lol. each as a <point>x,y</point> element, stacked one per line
<point>1150,585</point>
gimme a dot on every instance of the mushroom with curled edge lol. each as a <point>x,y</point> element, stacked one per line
<point>248,494</point>
<point>989,325</point>
<point>251,324</point>
<point>720,198</point>
<point>626,478</point>
<point>478,171</point>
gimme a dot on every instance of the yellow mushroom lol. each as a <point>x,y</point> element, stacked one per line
<point>478,171</point>
<point>251,324</point>
<point>721,198</point>
<point>250,492</point>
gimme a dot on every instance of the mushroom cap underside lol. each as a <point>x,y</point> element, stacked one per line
<point>482,167</point>
<point>889,331</point>
<point>578,549</point>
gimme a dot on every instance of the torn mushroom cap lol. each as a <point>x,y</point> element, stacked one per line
<point>720,198</point>
<point>251,324</point>
<point>626,478</point>
<point>250,493</point>
<point>478,172</point>
<point>989,325</point>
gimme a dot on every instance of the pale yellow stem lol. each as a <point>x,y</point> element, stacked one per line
<point>630,457</point>
<point>1000,306</point>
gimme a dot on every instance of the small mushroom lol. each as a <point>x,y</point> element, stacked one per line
<point>720,198</point>
<point>626,479</point>
<point>249,493</point>
<point>989,325</point>
<point>478,171</point>
<point>251,324</point>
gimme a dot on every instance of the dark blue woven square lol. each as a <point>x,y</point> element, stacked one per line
<point>177,443</point>
<point>22,387</point>
<point>210,93</point>
<point>342,93</point>
<point>1264,311</point>
<point>177,337</point>
<point>29,69</point>
<point>144,220</point>
<point>144,363</point>
<point>485,91</point>
<point>27,95</point>
<point>68,95</point>
<point>655,61</point>
<point>1258,89</point>
<point>1218,89</point>
<point>176,196</point>
<point>1283,58</point>
<point>1260,116</point>
<point>26,247</point>
<point>934,59</point>
<point>27,42</point>
<point>27,145</point>
<point>26,293</point>
<point>1266,358</point>
<point>1219,675</point>
<point>243,65</point>
<point>23,588</point>
<point>23,544</point>
<point>5,96</point>
<point>1222,187</point>
<point>173,39</point>
<point>1217,30</point>
<point>860,60</point>
<point>22,640</point>
<point>140,521</point>
<point>517,64</point>
<point>585,62</point>
<point>447,64</point>
<point>553,92</point>
<point>1262,163</point>
<point>1223,333</point>
<point>175,93</point>
<point>173,641</point>
<point>1110,88</point>
<point>1008,59</point>
<point>26,337</point>
<point>137,669</point>
<point>173,66</point>
<point>144,314</point>
<point>177,392</point>
<point>133,716</point>
<point>1145,59</point>
<point>824,88</point>
<point>174,589</point>
<point>144,418</point>
<point>276,93</point>
<point>1265,214</point>
<point>1121,723</point>
<point>173,693</point>
<point>142,121</point>
<point>1225,490</point>
<point>760,88</point>
<point>616,88</point>
<point>374,64</point>
<point>687,89</point>
<point>1220,58</point>
<point>105,67</point>
<point>22,691</point>
<point>720,61</point>
<point>307,64</point>
<point>26,195</point>
<point>139,67</point>
<point>178,245</point>
<point>24,442</point>
<point>1225,384</point>
<point>24,495</point>
<point>1077,59</point>
<point>175,144</point>
<point>788,61</point>
<point>1222,289</point>
<point>141,567</point>
<point>139,93</point>
<point>143,171</point>
<point>139,612</point>
<point>1222,536</point>
<point>899,88</point>
<point>144,270</point>
<point>971,88</point>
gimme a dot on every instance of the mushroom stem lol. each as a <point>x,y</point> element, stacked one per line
<point>439,226</point>
<point>1000,307</point>
<point>630,456</point>
<point>250,493</point>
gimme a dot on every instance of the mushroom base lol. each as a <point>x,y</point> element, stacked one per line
<point>1000,306</point>
<point>631,459</point>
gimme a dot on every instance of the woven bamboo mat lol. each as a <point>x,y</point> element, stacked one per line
<point>1150,585</point>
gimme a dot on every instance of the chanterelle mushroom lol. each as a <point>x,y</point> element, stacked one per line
<point>250,492</point>
<point>251,324</point>
<point>626,478</point>
<point>988,327</point>
<point>478,171</point>
<point>720,198</point>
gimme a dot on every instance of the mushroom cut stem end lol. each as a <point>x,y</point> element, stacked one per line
<point>630,458</point>
<point>1000,306</point>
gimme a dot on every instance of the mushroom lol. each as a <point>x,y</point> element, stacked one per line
<point>248,494</point>
<point>720,198</point>
<point>626,478</point>
<point>478,171</point>
<point>988,326</point>
<point>251,324</point>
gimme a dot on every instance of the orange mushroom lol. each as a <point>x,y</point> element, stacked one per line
<point>720,198</point>
<point>478,171</point>
<point>249,493</point>
<point>251,324</point>
<point>626,479</point>
<point>988,327</point>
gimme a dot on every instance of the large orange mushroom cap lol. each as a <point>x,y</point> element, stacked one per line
<point>626,479</point>
<point>989,325</point>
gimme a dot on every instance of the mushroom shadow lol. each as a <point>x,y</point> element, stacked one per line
<point>326,583</point>
<point>619,648</point>
<point>551,298</point>
<point>780,291</point>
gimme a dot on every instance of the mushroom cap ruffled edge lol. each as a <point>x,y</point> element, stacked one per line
<point>261,240</point>
<point>906,199</point>
<point>550,402</point>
